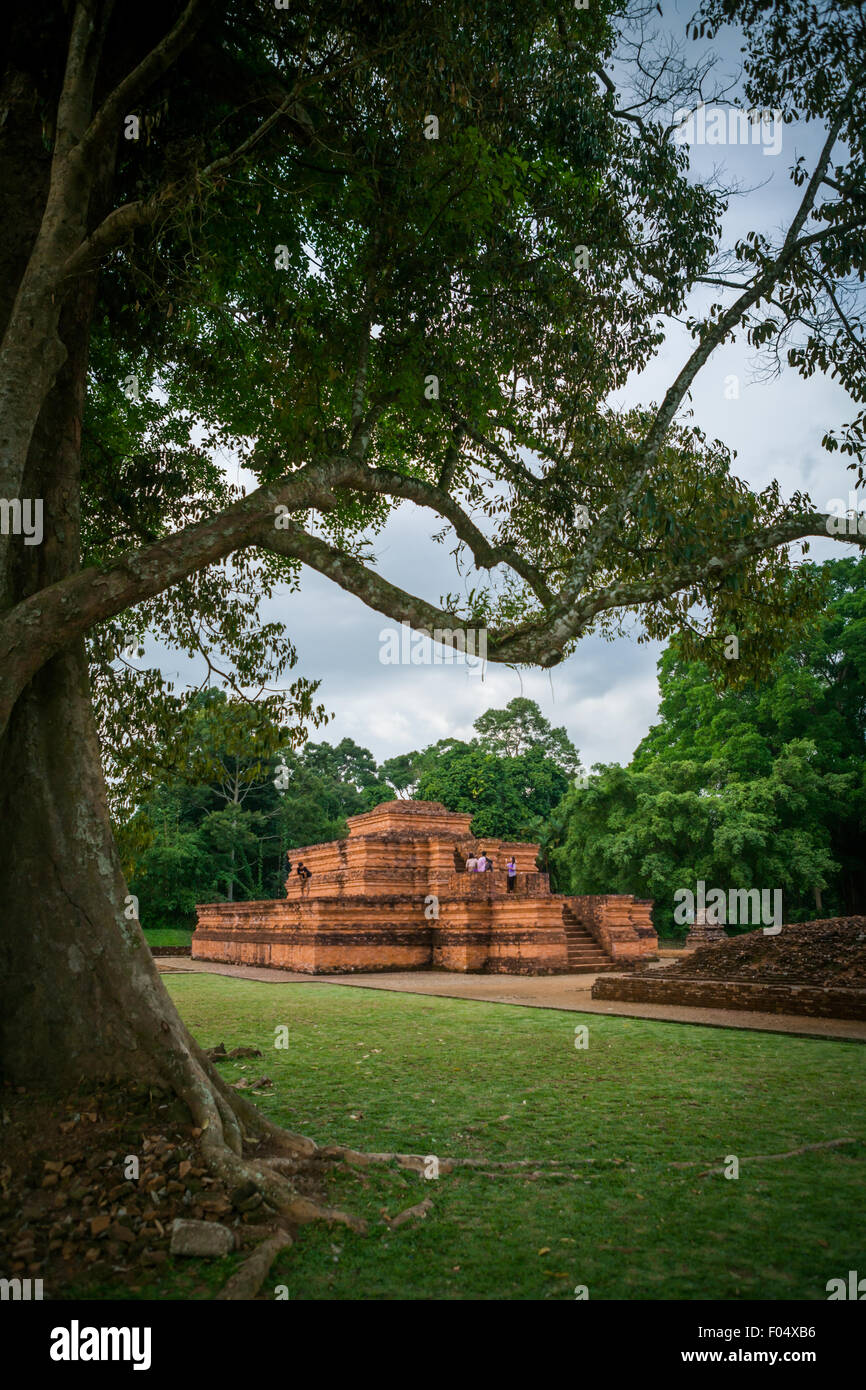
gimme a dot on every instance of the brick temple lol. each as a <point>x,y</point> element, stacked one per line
<point>395,895</point>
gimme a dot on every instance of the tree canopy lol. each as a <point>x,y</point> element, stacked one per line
<point>373,254</point>
<point>764,786</point>
<point>363,314</point>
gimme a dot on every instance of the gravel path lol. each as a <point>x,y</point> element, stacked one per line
<point>534,991</point>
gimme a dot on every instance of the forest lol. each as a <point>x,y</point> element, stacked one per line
<point>758,784</point>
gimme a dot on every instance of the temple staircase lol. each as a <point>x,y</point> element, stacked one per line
<point>584,953</point>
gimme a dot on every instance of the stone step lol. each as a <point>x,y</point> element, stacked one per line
<point>584,956</point>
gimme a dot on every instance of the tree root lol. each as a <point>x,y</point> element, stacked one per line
<point>533,1167</point>
<point>769,1158</point>
<point>419,1163</point>
<point>228,1123</point>
<point>246,1281</point>
<point>419,1211</point>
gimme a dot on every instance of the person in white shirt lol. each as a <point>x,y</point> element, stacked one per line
<point>471,864</point>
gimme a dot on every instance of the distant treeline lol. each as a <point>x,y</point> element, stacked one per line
<point>742,787</point>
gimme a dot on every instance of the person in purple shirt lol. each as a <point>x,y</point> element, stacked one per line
<point>511,870</point>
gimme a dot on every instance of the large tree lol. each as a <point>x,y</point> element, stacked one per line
<point>764,785</point>
<point>510,777</point>
<point>230,800</point>
<point>385,254</point>
<point>522,728</point>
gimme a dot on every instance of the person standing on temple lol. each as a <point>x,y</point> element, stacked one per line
<point>471,864</point>
<point>482,862</point>
<point>304,874</point>
<point>511,870</point>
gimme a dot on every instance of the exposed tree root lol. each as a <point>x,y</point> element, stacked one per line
<point>246,1281</point>
<point>418,1163</point>
<point>228,1125</point>
<point>531,1167</point>
<point>419,1212</point>
<point>769,1158</point>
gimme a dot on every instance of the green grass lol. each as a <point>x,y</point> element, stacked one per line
<point>427,1075</point>
<point>167,936</point>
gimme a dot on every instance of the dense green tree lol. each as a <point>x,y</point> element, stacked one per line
<point>402,772</point>
<point>353,770</point>
<point>170,868</point>
<point>763,786</point>
<point>510,777</point>
<point>520,727</point>
<point>365,315</point>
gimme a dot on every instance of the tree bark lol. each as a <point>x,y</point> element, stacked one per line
<point>79,993</point>
<point>80,996</point>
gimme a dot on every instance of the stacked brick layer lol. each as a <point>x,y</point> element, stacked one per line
<point>813,1001</point>
<point>394,895</point>
<point>813,968</point>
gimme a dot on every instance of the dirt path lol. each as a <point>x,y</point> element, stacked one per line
<point>533,991</point>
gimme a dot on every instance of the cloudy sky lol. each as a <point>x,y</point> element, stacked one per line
<point>606,693</point>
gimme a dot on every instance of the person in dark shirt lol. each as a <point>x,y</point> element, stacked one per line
<point>304,874</point>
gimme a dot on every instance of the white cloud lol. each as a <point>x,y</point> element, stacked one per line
<point>606,693</point>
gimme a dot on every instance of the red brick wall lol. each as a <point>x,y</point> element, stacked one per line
<point>621,924</point>
<point>810,1000</point>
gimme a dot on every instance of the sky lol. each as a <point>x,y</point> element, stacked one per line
<point>606,693</point>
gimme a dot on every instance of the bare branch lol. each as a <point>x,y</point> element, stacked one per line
<point>358,579</point>
<point>158,61</point>
<point>118,224</point>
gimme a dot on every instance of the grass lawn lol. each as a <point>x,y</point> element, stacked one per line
<point>457,1078</point>
<point>167,936</point>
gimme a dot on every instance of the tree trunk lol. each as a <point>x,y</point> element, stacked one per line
<point>79,993</point>
<point>80,996</point>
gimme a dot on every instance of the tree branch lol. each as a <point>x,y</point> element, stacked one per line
<point>357,578</point>
<point>119,223</point>
<point>646,454</point>
<point>543,641</point>
<point>158,61</point>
